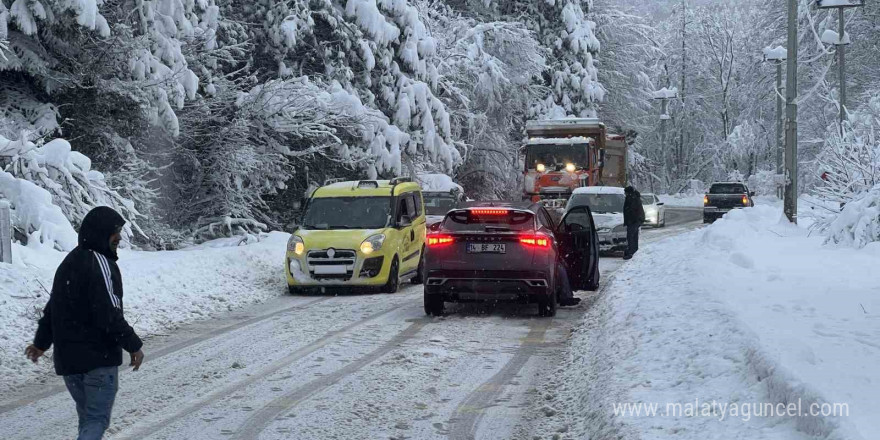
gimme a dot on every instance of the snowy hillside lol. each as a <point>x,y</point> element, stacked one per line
<point>162,290</point>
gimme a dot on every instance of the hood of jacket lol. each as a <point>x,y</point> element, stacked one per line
<point>97,227</point>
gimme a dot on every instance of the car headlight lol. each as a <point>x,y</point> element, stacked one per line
<point>619,228</point>
<point>603,230</point>
<point>296,245</point>
<point>372,244</point>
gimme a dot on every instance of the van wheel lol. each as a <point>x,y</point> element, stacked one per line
<point>393,283</point>
<point>547,305</point>
<point>420,272</point>
<point>294,290</point>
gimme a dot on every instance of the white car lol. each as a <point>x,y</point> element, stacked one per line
<point>655,211</point>
<point>606,203</point>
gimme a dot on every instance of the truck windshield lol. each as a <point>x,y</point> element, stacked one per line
<point>347,213</point>
<point>598,203</point>
<point>727,188</point>
<point>555,157</point>
<point>439,203</point>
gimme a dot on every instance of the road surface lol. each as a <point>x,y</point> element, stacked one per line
<point>344,367</point>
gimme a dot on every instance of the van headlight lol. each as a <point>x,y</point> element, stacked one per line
<point>296,245</point>
<point>372,244</point>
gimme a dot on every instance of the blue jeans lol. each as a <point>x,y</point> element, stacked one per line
<point>632,239</point>
<point>94,393</point>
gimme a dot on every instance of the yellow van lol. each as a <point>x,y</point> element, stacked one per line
<point>363,233</point>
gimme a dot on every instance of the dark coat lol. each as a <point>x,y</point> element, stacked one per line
<point>633,211</point>
<point>84,319</point>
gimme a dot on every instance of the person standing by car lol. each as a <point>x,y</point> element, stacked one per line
<point>633,217</point>
<point>85,323</point>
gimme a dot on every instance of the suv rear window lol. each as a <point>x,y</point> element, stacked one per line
<point>727,188</point>
<point>471,221</point>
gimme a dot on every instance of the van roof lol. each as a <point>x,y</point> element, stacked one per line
<point>365,188</point>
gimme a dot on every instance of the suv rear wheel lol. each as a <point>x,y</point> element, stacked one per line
<point>547,305</point>
<point>433,305</point>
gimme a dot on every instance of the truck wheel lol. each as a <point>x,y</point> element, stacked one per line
<point>393,283</point>
<point>433,305</point>
<point>547,305</point>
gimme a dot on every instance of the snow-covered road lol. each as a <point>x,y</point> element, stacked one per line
<point>358,366</point>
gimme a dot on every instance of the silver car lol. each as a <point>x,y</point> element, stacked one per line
<point>655,210</point>
<point>606,204</point>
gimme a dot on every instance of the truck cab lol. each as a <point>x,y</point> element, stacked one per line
<point>561,155</point>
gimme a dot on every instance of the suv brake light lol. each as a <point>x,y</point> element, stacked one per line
<point>535,240</point>
<point>439,240</point>
<point>483,211</point>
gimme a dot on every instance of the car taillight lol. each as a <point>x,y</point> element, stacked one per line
<point>439,240</point>
<point>705,200</point>
<point>535,240</point>
<point>745,200</point>
<point>483,211</point>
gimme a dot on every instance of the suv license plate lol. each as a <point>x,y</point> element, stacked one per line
<point>486,248</point>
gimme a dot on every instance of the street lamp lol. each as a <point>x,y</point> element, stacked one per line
<point>777,55</point>
<point>839,39</point>
<point>664,95</point>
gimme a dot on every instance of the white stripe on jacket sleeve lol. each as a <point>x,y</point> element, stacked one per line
<point>108,279</point>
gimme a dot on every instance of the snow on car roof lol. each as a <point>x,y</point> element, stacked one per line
<point>599,190</point>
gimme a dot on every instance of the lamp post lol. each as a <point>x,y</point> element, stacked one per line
<point>664,95</point>
<point>839,39</point>
<point>777,55</point>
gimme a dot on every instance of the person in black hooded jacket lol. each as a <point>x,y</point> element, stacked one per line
<point>633,217</point>
<point>84,321</point>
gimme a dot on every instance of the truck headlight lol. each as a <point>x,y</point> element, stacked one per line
<point>570,167</point>
<point>372,244</point>
<point>541,168</point>
<point>296,245</point>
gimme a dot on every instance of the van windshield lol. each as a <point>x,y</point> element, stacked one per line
<point>347,213</point>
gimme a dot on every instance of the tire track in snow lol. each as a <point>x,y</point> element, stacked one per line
<point>263,418</point>
<point>200,403</point>
<point>471,411</point>
<point>171,349</point>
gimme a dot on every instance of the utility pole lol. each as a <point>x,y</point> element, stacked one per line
<point>791,91</point>
<point>778,55</point>
<point>840,40</point>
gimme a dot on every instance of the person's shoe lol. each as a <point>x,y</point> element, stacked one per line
<point>627,257</point>
<point>569,302</point>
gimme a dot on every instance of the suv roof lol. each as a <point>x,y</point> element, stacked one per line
<point>365,188</point>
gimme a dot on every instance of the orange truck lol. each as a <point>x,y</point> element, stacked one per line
<point>564,154</point>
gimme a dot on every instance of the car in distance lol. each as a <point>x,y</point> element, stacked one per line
<point>655,210</point>
<point>508,252</point>
<point>368,233</point>
<point>606,205</point>
<point>441,194</point>
<point>724,197</point>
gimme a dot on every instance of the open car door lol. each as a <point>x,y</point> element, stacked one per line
<point>576,235</point>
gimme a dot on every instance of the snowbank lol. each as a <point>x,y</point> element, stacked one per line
<point>162,290</point>
<point>749,309</point>
<point>680,200</point>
